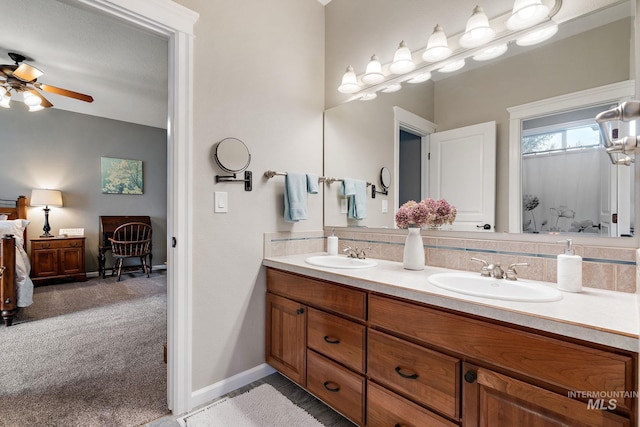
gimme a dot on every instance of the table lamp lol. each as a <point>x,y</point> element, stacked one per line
<point>46,198</point>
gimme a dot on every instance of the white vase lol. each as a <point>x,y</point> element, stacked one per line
<point>413,258</point>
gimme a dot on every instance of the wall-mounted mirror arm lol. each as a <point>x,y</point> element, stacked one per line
<point>385,182</point>
<point>375,191</point>
<point>248,179</point>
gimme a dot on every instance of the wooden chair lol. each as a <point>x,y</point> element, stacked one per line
<point>131,240</point>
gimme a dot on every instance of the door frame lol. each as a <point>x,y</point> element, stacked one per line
<point>175,22</point>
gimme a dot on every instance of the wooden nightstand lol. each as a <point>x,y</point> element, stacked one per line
<point>57,258</point>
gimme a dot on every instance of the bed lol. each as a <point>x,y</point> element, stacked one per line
<point>16,288</point>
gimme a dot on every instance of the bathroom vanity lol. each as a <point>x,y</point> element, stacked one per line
<point>385,348</point>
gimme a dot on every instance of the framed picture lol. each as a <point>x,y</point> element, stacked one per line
<point>121,176</point>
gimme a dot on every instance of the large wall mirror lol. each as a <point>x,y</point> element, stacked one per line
<point>590,51</point>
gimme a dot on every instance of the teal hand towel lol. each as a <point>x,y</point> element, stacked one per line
<point>295,197</point>
<point>312,183</point>
<point>356,192</point>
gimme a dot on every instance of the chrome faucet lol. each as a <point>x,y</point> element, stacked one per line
<point>490,270</point>
<point>511,273</point>
<point>355,253</point>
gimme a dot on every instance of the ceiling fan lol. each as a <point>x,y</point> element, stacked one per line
<point>22,78</point>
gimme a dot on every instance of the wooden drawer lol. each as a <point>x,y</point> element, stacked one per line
<point>337,386</point>
<point>562,364</point>
<point>429,378</point>
<point>340,339</point>
<point>317,293</point>
<point>385,408</point>
<point>53,243</point>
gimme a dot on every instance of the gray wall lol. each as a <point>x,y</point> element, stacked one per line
<point>62,150</point>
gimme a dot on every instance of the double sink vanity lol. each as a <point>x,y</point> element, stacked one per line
<point>386,346</point>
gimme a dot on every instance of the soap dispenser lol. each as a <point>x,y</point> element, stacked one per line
<point>569,269</point>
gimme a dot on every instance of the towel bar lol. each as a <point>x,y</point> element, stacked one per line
<point>270,174</point>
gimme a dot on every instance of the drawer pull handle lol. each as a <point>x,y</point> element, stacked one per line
<point>300,311</point>
<point>413,376</point>
<point>470,376</point>
<point>331,340</point>
<point>334,389</point>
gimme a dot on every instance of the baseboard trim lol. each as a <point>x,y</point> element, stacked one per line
<point>155,267</point>
<point>213,391</point>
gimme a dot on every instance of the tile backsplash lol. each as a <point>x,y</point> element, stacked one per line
<point>603,267</point>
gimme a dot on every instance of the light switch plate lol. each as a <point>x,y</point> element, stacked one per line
<point>385,206</point>
<point>220,201</point>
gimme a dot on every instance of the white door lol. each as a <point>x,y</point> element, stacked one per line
<point>470,185</point>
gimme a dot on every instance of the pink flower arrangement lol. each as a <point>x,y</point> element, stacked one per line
<point>427,212</point>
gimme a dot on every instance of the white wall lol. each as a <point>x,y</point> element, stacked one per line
<point>259,77</point>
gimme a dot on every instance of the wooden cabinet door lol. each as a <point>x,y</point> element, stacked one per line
<point>491,399</point>
<point>45,262</point>
<point>72,260</point>
<point>286,337</point>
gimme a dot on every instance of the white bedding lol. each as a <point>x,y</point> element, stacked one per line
<point>24,284</point>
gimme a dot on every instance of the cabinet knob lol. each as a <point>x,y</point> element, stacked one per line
<point>470,376</point>
<point>300,311</point>
<point>334,387</point>
<point>7,301</point>
<point>413,376</point>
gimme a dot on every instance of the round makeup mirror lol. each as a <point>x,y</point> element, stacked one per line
<point>232,155</point>
<point>385,178</point>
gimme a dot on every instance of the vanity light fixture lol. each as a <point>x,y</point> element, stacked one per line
<point>527,13</point>
<point>402,60</point>
<point>490,52</point>
<point>437,46</point>
<point>478,31</point>
<point>452,66</point>
<point>420,78</point>
<point>373,74</point>
<point>392,88</point>
<point>537,36</point>
<point>349,82</point>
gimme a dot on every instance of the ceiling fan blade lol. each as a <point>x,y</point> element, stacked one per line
<point>27,73</point>
<point>45,102</point>
<point>64,92</point>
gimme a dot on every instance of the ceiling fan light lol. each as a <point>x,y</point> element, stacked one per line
<point>349,82</point>
<point>537,36</point>
<point>373,74</point>
<point>402,60</point>
<point>5,100</point>
<point>527,13</point>
<point>31,100</point>
<point>490,52</point>
<point>35,108</point>
<point>437,46</point>
<point>478,31</point>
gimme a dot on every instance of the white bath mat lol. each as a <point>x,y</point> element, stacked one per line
<point>263,406</point>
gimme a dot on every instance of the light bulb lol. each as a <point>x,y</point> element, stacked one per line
<point>349,82</point>
<point>31,100</point>
<point>373,74</point>
<point>5,99</point>
<point>437,46</point>
<point>478,31</point>
<point>402,60</point>
<point>527,13</point>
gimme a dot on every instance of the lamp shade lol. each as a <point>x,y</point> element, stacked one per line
<point>46,198</point>
<point>373,74</point>
<point>437,46</point>
<point>402,60</point>
<point>478,31</point>
<point>349,82</point>
<point>527,13</point>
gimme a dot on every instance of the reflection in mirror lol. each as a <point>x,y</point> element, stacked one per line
<point>385,178</point>
<point>359,136</point>
<point>569,184</point>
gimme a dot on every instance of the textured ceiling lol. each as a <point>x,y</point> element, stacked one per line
<point>122,67</point>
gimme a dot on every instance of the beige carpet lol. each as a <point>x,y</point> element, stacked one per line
<point>99,366</point>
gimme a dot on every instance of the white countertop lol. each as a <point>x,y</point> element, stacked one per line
<point>595,315</point>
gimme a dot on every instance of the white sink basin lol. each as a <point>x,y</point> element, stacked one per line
<point>502,289</point>
<point>337,261</point>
